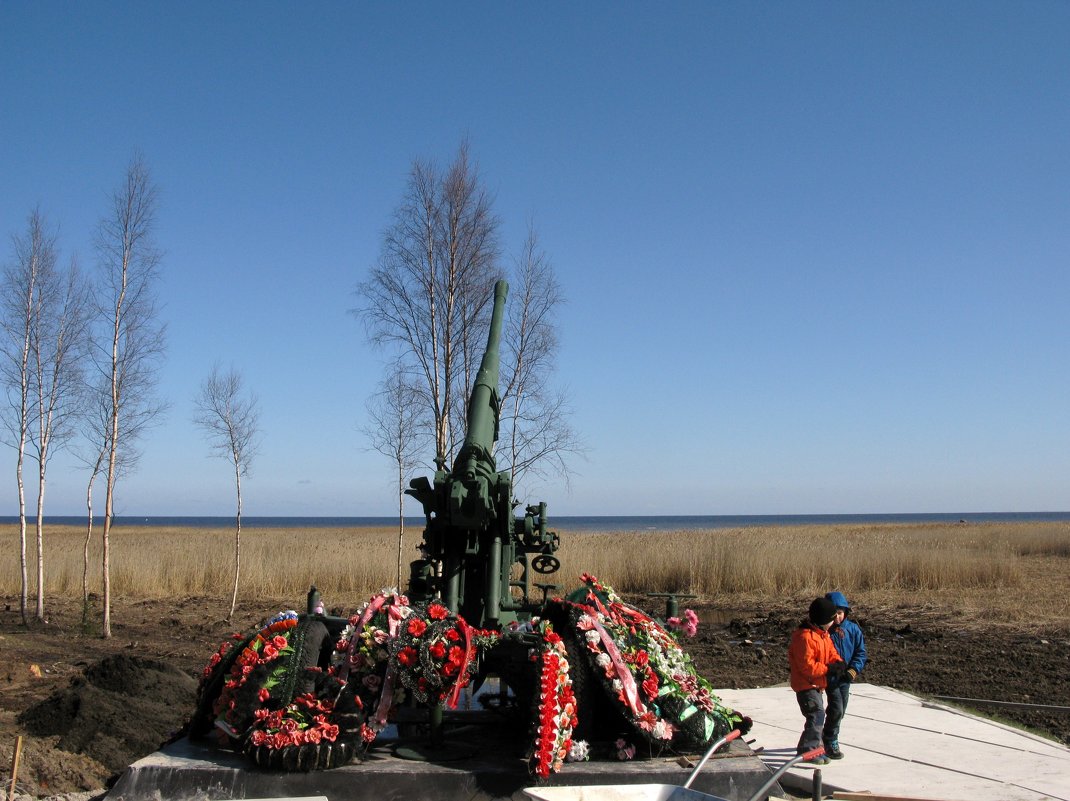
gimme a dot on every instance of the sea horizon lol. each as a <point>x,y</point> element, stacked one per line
<point>576,523</point>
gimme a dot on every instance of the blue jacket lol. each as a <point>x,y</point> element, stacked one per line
<point>850,644</point>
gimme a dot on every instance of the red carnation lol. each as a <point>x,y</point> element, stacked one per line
<point>650,687</point>
<point>456,655</point>
<point>437,611</point>
<point>417,627</point>
<point>408,656</point>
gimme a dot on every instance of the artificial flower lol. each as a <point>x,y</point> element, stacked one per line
<point>645,670</point>
<point>579,752</point>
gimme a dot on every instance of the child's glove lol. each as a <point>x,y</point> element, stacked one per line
<point>837,669</point>
<point>850,674</point>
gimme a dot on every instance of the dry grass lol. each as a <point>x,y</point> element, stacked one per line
<point>993,573</point>
<point>1013,572</point>
<point>159,562</point>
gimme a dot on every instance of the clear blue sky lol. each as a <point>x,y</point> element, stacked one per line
<point>815,254</point>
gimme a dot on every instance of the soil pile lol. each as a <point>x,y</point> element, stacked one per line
<point>122,708</point>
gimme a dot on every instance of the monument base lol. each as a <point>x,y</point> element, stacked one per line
<point>198,771</point>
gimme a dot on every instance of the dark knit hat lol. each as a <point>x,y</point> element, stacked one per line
<point>822,610</point>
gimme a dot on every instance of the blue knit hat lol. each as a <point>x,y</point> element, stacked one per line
<point>839,599</point>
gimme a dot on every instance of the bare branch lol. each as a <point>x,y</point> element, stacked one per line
<point>230,421</point>
<point>535,434</point>
<point>396,428</point>
<point>34,261</point>
<point>129,346</point>
<point>427,295</point>
<point>229,418</point>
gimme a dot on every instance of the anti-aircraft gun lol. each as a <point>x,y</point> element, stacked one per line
<point>476,555</point>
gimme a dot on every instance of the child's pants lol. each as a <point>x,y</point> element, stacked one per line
<point>838,697</point>
<point>813,708</point>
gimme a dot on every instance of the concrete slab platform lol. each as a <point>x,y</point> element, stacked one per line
<point>897,744</point>
<point>196,771</point>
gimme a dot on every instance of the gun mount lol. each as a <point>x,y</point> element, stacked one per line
<point>478,557</point>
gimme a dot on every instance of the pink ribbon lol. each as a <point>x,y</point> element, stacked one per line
<point>393,619</point>
<point>374,605</point>
<point>631,692</point>
<point>393,623</point>
<point>386,698</point>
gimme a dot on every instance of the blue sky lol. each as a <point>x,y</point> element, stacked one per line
<point>815,255</point>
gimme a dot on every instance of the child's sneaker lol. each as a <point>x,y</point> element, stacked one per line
<point>820,759</point>
<point>833,751</point>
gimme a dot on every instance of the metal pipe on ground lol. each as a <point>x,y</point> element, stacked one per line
<point>1010,704</point>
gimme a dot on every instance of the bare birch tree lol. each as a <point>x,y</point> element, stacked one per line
<point>469,235</point>
<point>397,429</point>
<point>95,450</point>
<point>536,437</point>
<point>229,419</point>
<point>34,254</point>
<point>58,345</point>
<point>428,292</point>
<point>132,346</point>
<point>97,434</point>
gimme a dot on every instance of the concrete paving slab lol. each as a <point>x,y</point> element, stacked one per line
<point>196,771</point>
<point>897,744</point>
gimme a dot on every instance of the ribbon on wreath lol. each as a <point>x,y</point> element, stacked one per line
<point>627,680</point>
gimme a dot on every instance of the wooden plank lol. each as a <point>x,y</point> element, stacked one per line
<point>15,767</point>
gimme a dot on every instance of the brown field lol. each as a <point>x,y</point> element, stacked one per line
<point>988,571</point>
<point>976,611</point>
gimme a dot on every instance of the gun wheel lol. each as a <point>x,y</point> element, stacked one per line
<point>544,563</point>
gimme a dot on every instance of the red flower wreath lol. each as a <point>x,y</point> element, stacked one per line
<point>557,707</point>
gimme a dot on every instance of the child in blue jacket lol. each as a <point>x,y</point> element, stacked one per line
<point>851,646</point>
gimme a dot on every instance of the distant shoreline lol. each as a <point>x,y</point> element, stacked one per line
<point>579,523</point>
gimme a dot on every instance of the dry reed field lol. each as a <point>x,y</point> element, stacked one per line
<point>1014,571</point>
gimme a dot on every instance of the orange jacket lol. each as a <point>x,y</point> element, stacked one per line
<point>809,656</point>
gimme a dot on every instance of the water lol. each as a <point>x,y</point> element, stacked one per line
<point>588,523</point>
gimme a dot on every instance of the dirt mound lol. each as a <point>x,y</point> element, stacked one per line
<point>45,771</point>
<point>120,709</point>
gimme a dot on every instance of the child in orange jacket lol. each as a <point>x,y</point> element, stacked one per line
<point>813,658</point>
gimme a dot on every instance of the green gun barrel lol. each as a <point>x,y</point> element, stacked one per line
<point>473,499</point>
<point>484,404</point>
